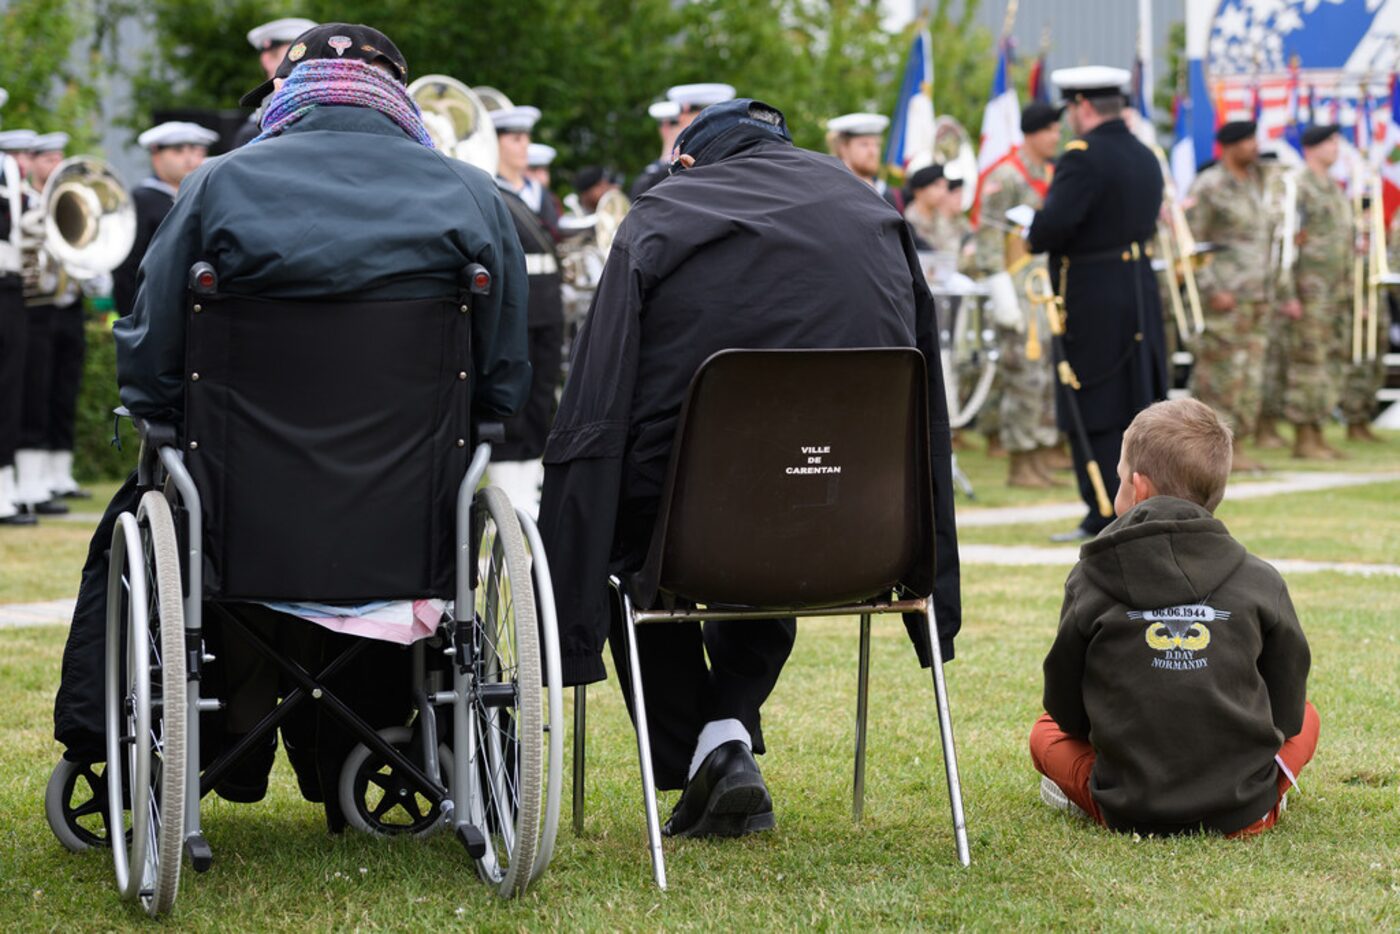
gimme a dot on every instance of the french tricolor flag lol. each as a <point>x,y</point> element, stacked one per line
<point>1001,125</point>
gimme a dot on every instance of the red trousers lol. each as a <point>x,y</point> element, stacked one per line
<point>1068,761</point>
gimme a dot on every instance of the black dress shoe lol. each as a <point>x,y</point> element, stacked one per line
<point>51,507</point>
<point>20,518</point>
<point>75,494</point>
<point>725,798</point>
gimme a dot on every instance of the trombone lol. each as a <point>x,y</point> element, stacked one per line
<point>1370,268</point>
<point>1179,254</point>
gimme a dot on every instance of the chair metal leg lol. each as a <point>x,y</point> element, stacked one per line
<point>639,707</point>
<point>580,735</point>
<point>862,710</point>
<point>945,733</point>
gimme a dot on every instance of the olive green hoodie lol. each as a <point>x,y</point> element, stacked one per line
<point>1180,658</point>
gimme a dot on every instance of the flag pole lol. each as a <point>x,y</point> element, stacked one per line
<point>1145,46</point>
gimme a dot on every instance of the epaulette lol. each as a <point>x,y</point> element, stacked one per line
<point>1076,145</point>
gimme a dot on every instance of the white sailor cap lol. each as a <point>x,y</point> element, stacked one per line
<point>700,96</point>
<point>519,119</point>
<point>664,110</point>
<point>177,133</point>
<point>50,142</point>
<point>1088,81</point>
<point>539,156</point>
<point>17,140</point>
<point>279,32</point>
<point>859,124</point>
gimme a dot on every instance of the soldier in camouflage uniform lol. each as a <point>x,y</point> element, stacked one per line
<point>1358,383</point>
<point>1322,275</point>
<point>1026,408</point>
<point>1228,209</point>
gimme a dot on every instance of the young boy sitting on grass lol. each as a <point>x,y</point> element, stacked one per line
<point>1175,692</point>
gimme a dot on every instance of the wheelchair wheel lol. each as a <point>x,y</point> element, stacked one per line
<point>376,799</point>
<point>75,805</point>
<point>505,702</point>
<point>146,704</point>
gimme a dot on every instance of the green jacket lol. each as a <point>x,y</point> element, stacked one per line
<point>1180,658</point>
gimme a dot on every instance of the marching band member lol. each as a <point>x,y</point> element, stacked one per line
<point>14,323</point>
<point>672,115</point>
<point>1026,414</point>
<point>539,158</point>
<point>516,465</point>
<point>855,139</point>
<point>271,41</point>
<point>1100,214</point>
<point>177,149</point>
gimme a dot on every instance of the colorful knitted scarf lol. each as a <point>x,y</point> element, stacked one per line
<point>348,83</point>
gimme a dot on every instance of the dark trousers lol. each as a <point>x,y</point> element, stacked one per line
<point>38,378</point>
<point>683,693</point>
<point>527,431</point>
<point>1106,446</point>
<point>14,340</point>
<point>69,350</point>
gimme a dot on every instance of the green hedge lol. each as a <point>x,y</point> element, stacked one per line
<point>94,455</point>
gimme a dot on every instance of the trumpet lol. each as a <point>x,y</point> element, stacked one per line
<point>84,228</point>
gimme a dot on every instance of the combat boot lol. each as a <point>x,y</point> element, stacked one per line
<point>1242,462</point>
<point>1056,458</point>
<point>1267,436</point>
<point>1308,444</point>
<point>1023,472</point>
<point>1042,459</point>
<point>1361,431</point>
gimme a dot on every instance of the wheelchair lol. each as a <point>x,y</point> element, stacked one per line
<point>366,466</point>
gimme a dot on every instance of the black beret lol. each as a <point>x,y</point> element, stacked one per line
<point>1234,131</point>
<point>1037,115</point>
<point>925,176</point>
<point>588,176</point>
<point>1320,134</point>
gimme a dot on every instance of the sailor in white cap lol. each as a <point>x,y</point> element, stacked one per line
<point>177,148</point>
<point>538,158</point>
<point>516,466</point>
<point>855,139</point>
<point>1098,222</point>
<point>672,115</point>
<point>19,144</point>
<point>271,40</point>
<point>14,323</point>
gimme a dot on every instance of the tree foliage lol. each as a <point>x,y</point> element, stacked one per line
<point>52,63</point>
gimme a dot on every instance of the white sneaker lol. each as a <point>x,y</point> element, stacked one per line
<point>1054,796</point>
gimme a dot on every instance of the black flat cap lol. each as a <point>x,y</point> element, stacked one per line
<point>1234,131</point>
<point>926,176</point>
<point>1320,134</point>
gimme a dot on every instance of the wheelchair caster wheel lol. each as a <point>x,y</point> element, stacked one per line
<point>75,804</point>
<point>376,799</point>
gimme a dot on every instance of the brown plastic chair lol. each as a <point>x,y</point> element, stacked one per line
<point>799,485</point>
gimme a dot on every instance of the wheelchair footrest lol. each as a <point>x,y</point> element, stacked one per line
<point>473,839</point>
<point>197,850</point>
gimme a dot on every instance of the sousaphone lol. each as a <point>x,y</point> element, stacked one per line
<point>457,120</point>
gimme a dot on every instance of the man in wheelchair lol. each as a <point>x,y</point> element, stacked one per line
<point>751,243</point>
<point>270,281</point>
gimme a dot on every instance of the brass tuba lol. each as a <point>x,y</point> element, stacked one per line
<point>457,120</point>
<point>953,148</point>
<point>83,228</point>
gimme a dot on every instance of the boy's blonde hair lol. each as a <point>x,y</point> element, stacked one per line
<point>1184,448</point>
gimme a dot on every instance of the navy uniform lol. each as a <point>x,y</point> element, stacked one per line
<point>844,131</point>
<point>14,323</point>
<point>270,40</point>
<point>515,462</point>
<point>288,218</point>
<point>153,198</point>
<point>1099,218</point>
<point>672,115</point>
<point>698,266</point>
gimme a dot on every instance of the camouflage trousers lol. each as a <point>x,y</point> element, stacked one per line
<point>1357,383</point>
<point>1300,382</point>
<point>1228,374</point>
<point>1027,404</point>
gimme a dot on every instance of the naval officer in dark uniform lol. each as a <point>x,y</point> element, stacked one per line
<point>177,149</point>
<point>1099,218</point>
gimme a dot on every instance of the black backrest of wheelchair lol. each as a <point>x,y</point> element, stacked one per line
<point>798,478</point>
<point>327,440</point>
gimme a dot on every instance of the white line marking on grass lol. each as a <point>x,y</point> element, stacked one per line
<point>23,615</point>
<point>973,517</point>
